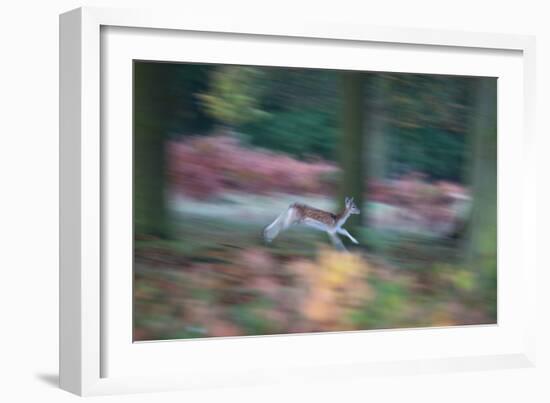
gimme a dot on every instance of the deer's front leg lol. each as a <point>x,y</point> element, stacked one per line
<point>336,242</point>
<point>345,232</point>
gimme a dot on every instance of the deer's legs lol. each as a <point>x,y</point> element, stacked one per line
<point>345,232</point>
<point>289,218</point>
<point>336,242</point>
<point>273,229</point>
<point>285,220</point>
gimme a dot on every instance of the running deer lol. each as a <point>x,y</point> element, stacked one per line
<point>321,220</point>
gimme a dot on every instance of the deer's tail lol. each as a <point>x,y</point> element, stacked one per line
<point>285,220</point>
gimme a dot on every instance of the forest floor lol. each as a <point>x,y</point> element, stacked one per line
<point>217,277</point>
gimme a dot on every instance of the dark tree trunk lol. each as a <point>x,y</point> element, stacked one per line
<point>151,104</point>
<point>482,229</point>
<point>351,143</point>
<point>376,146</point>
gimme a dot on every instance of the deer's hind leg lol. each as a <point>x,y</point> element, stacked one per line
<point>285,220</point>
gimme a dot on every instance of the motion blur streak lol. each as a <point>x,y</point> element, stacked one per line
<point>221,151</point>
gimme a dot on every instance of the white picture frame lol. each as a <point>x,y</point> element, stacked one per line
<point>96,355</point>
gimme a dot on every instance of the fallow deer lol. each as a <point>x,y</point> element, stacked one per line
<point>301,214</point>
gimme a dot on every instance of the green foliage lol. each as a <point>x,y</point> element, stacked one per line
<point>386,309</point>
<point>296,111</point>
<point>464,280</point>
<point>440,153</point>
<point>376,240</point>
<point>250,316</point>
<point>422,100</point>
<point>300,133</point>
<point>303,113</point>
<point>488,285</point>
<point>234,95</point>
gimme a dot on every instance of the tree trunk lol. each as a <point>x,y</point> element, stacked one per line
<point>150,127</point>
<point>376,146</point>
<point>482,232</point>
<point>351,143</point>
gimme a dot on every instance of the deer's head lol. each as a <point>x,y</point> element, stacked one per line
<point>350,206</point>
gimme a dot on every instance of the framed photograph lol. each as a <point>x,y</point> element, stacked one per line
<point>245,202</point>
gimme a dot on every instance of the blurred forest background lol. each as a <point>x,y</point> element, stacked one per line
<point>220,151</point>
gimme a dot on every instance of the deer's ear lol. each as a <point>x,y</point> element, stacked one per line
<point>346,200</point>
